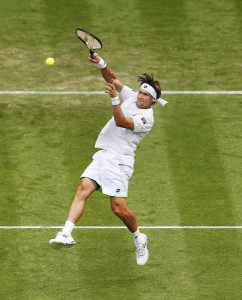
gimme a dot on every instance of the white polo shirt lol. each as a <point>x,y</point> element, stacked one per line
<point>124,141</point>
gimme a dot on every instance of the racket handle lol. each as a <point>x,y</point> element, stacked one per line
<point>92,54</point>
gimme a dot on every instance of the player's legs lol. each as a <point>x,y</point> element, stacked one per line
<point>85,189</point>
<point>64,238</point>
<point>121,210</point>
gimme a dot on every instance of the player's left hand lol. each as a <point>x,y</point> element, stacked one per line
<point>111,90</point>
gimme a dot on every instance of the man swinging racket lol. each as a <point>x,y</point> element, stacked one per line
<point>112,166</point>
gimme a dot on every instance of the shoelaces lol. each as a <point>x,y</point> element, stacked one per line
<point>140,250</point>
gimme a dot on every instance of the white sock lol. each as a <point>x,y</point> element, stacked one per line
<point>137,237</point>
<point>67,230</point>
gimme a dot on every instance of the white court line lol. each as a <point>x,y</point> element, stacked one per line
<point>122,227</point>
<point>52,93</point>
<point>103,93</point>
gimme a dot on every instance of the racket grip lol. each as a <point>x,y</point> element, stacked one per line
<point>92,54</point>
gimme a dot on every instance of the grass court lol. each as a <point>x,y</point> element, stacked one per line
<point>188,169</point>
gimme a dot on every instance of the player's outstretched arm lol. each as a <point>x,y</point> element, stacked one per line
<point>107,72</point>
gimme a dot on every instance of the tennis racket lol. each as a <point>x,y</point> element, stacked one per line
<point>90,40</point>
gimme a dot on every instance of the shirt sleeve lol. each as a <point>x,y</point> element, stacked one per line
<point>127,93</point>
<point>142,123</point>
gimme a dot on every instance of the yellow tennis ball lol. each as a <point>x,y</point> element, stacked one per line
<point>50,61</point>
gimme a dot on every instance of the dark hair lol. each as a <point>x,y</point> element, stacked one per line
<point>149,79</point>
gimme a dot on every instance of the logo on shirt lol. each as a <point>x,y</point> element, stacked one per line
<point>143,120</point>
<point>117,190</point>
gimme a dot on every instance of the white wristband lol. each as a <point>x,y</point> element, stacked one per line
<point>115,100</point>
<point>102,64</point>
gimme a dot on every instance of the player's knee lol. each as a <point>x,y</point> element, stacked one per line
<point>82,192</point>
<point>118,210</point>
<point>85,189</point>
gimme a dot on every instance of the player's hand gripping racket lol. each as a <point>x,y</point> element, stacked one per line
<point>90,40</point>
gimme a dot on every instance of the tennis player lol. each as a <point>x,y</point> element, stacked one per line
<point>112,166</point>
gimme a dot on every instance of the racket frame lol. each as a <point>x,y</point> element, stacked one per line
<point>90,47</point>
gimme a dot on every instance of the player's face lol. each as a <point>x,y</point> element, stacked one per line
<point>144,99</point>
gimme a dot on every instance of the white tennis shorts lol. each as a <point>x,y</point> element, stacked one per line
<point>111,171</point>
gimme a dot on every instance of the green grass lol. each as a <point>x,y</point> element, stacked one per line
<point>96,267</point>
<point>187,172</point>
<point>188,45</point>
<point>45,148</point>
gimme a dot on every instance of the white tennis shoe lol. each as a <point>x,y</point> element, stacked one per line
<point>62,241</point>
<point>142,253</point>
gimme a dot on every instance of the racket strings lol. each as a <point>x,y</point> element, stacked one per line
<point>91,41</point>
